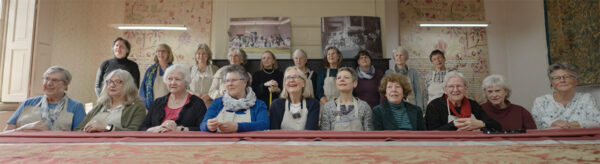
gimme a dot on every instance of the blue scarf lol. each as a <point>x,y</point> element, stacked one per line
<point>147,91</point>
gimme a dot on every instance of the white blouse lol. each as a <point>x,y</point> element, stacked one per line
<point>582,108</point>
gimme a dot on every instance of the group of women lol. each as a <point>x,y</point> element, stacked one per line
<point>174,97</point>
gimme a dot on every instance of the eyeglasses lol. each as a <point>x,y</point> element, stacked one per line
<point>159,51</point>
<point>455,86</point>
<point>111,82</point>
<point>53,81</point>
<point>558,78</point>
<point>292,77</point>
<point>232,80</point>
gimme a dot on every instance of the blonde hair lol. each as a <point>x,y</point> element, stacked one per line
<point>170,57</point>
<point>206,48</point>
<point>274,62</point>
<point>306,93</point>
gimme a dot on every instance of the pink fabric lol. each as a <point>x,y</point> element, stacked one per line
<point>377,136</point>
<point>173,113</point>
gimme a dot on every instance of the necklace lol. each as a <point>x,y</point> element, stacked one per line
<point>272,70</point>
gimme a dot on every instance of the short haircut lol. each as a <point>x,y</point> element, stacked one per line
<point>351,71</point>
<point>65,74</point>
<point>299,51</point>
<point>181,68</point>
<point>170,57</point>
<point>206,49</point>
<point>129,92</point>
<point>436,52</point>
<point>127,44</point>
<point>563,66</point>
<point>401,50</point>
<point>241,71</point>
<point>306,93</point>
<point>274,60</point>
<point>395,78</point>
<point>456,74</point>
<point>239,51</point>
<point>326,63</point>
<point>495,80</point>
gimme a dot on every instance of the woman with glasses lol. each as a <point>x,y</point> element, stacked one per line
<point>565,108</point>
<point>151,87</point>
<point>52,111</point>
<point>454,111</point>
<point>238,110</point>
<point>119,107</point>
<point>296,109</point>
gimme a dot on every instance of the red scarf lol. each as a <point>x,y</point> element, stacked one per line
<point>465,109</point>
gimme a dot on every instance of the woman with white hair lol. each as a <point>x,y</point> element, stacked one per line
<point>151,87</point>
<point>300,58</point>
<point>118,108</point>
<point>238,110</point>
<point>236,56</point>
<point>454,111</point>
<point>401,67</point>
<point>52,111</point>
<point>510,116</point>
<point>202,73</point>
<point>565,108</point>
<point>297,109</point>
<point>178,110</point>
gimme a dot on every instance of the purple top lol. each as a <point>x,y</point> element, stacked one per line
<point>368,89</point>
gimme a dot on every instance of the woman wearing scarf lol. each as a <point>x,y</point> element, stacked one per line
<point>202,74</point>
<point>454,111</point>
<point>326,89</point>
<point>267,80</point>
<point>400,59</point>
<point>300,58</point>
<point>297,109</point>
<point>151,88</point>
<point>346,112</point>
<point>238,110</point>
<point>54,110</point>
<point>368,79</point>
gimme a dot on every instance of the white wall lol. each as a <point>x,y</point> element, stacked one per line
<point>517,48</point>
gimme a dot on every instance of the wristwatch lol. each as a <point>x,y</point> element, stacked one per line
<point>109,127</point>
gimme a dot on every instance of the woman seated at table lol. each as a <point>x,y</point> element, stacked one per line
<point>267,80</point>
<point>238,110</point>
<point>152,85</point>
<point>346,112</point>
<point>565,108</point>
<point>119,106</point>
<point>510,116</point>
<point>178,110</point>
<point>454,111</point>
<point>52,111</point>
<point>296,109</point>
<point>395,113</point>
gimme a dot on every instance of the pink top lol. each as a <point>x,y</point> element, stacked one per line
<point>173,114</point>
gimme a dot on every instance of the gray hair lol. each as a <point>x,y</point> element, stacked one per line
<point>352,72</point>
<point>495,80</point>
<point>236,69</point>
<point>455,74</point>
<point>401,50</point>
<point>129,92</point>
<point>307,91</point>
<point>299,51</point>
<point>178,68</point>
<point>563,66</point>
<point>66,75</point>
<point>239,51</point>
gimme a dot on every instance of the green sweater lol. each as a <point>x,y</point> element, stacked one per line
<point>131,119</point>
<point>383,117</point>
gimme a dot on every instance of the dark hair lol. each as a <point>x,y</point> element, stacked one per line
<point>326,63</point>
<point>362,52</point>
<point>436,52</point>
<point>127,44</point>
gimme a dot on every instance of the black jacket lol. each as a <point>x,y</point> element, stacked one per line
<point>436,117</point>
<point>190,116</point>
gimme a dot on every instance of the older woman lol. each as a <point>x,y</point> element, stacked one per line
<point>300,58</point>
<point>178,110</point>
<point>236,56</point>
<point>396,113</point>
<point>151,88</point>
<point>52,111</point>
<point>565,108</point>
<point>296,109</point>
<point>346,112</point>
<point>238,110</point>
<point>267,79</point>
<point>118,108</point>
<point>400,59</point>
<point>368,79</point>
<point>121,49</point>
<point>434,81</point>
<point>510,116</point>
<point>454,111</point>
<point>202,74</point>
<point>326,77</point>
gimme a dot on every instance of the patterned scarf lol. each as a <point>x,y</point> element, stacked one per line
<point>366,75</point>
<point>50,116</point>
<point>149,78</point>
<point>231,104</point>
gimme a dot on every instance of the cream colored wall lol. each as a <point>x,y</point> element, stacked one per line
<point>304,14</point>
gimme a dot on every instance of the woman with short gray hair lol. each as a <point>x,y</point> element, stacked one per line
<point>300,58</point>
<point>52,111</point>
<point>179,110</point>
<point>565,108</point>
<point>400,59</point>
<point>236,56</point>
<point>510,116</point>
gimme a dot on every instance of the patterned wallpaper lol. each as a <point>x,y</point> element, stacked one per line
<point>196,15</point>
<point>465,48</point>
